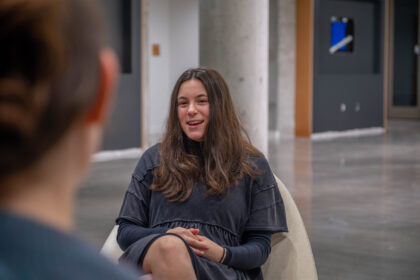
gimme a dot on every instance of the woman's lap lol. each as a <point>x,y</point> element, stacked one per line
<point>136,253</point>
<point>204,268</point>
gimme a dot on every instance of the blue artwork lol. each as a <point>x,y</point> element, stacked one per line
<point>341,35</point>
<point>338,33</point>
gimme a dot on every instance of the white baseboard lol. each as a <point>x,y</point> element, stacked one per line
<point>347,133</point>
<point>275,135</point>
<point>117,154</point>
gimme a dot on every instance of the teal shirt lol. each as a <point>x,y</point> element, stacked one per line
<point>29,250</point>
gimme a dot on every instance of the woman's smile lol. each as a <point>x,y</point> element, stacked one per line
<point>194,123</point>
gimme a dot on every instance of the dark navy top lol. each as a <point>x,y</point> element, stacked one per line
<point>253,204</point>
<point>29,250</point>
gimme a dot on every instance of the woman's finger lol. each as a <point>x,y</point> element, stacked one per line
<point>184,233</point>
<point>196,244</point>
<point>198,252</point>
<point>192,236</point>
<point>193,242</point>
<point>194,231</point>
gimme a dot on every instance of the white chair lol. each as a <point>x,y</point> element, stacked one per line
<point>111,249</point>
<point>291,255</point>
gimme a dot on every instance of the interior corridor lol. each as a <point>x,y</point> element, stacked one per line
<point>359,198</point>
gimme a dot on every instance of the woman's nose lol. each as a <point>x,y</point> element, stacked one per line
<point>192,109</point>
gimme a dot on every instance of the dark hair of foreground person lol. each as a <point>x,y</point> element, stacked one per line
<point>56,83</point>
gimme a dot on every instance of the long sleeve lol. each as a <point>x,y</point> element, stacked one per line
<point>133,219</point>
<point>128,233</point>
<point>253,253</point>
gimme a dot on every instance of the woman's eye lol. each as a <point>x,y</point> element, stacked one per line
<point>182,103</point>
<point>203,100</point>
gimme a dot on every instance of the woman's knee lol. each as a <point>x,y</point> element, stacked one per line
<point>170,245</point>
<point>167,253</point>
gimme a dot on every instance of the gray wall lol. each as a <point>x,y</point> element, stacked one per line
<point>124,126</point>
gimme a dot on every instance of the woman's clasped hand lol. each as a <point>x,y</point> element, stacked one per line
<point>201,245</point>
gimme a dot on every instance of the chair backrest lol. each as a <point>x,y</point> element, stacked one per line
<point>111,249</point>
<point>291,255</point>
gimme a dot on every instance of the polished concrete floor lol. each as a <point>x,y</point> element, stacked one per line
<point>359,198</point>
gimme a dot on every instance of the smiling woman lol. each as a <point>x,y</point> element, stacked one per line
<point>203,203</point>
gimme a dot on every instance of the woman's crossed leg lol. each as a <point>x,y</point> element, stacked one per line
<point>168,258</point>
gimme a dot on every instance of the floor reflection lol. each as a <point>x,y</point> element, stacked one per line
<point>359,199</point>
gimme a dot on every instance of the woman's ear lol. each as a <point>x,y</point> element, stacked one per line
<point>108,72</point>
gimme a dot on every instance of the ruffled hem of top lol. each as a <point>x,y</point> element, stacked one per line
<point>215,232</point>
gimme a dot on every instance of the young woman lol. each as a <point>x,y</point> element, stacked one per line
<point>56,77</point>
<point>203,203</point>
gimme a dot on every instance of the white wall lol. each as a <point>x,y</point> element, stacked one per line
<point>174,25</point>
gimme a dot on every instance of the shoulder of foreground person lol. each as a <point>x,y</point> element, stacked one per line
<point>30,250</point>
<point>95,266</point>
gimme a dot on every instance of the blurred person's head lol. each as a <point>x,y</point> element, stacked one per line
<point>56,75</point>
<point>202,110</point>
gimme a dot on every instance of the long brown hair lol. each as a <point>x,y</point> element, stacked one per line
<point>225,149</point>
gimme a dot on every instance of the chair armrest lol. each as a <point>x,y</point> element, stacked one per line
<point>111,249</point>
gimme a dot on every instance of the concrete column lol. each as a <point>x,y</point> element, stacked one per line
<point>234,41</point>
<point>273,68</point>
<point>286,67</point>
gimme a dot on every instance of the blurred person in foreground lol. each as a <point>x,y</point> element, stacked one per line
<point>56,82</point>
<point>203,203</point>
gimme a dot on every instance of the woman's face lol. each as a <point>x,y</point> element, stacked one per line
<point>193,109</point>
